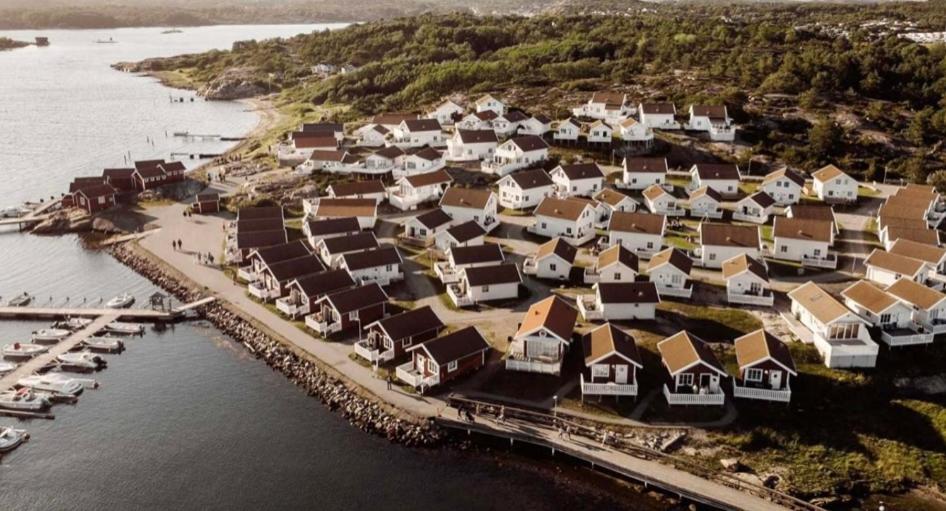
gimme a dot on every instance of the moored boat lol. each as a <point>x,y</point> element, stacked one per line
<point>82,360</point>
<point>20,300</point>
<point>6,367</point>
<point>73,323</point>
<point>122,301</point>
<point>117,327</point>
<point>88,383</point>
<point>57,385</point>
<point>104,344</point>
<point>24,399</point>
<point>11,438</point>
<point>50,335</point>
<point>21,350</point>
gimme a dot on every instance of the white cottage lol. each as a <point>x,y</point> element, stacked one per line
<point>705,202</point>
<point>659,116</point>
<point>551,260</point>
<point>485,284</point>
<point>640,233</point>
<point>615,264</point>
<point>525,189</point>
<point>464,204</point>
<point>747,281</point>
<point>885,268</point>
<point>490,103</point>
<point>804,241</point>
<point>722,177</point>
<point>515,154</point>
<point>784,186</point>
<point>579,179</point>
<point>719,242</point>
<point>617,301</point>
<point>472,145</point>
<point>669,270</point>
<point>571,219</point>
<point>640,173</point>
<point>659,201</point>
<point>418,189</point>
<point>417,133</point>
<point>884,311</point>
<point>831,184</point>
<point>755,208</point>
<point>599,132</point>
<point>712,119</point>
<point>543,337</point>
<point>840,335</point>
<point>567,131</point>
<point>423,229</point>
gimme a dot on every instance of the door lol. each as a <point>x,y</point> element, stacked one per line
<point>775,380</point>
<point>620,373</point>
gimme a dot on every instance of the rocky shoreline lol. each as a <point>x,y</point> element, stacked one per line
<point>364,413</point>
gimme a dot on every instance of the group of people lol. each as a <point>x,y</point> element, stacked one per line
<point>207,258</point>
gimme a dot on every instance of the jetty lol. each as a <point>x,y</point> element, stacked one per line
<point>144,315</point>
<point>34,217</point>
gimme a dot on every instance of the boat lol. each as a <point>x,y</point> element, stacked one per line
<point>14,212</point>
<point>24,399</point>
<point>104,344</point>
<point>20,300</point>
<point>23,350</point>
<point>73,324</point>
<point>58,385</point>
<point>87,383</point>
<point>50,335</point>
<point>6,367</point>
<point>172,31</point>
<point>117,327</point>
<point>83,360</point>
<point>106,41</point>
<point>11,438</point>
<point>122,301</point>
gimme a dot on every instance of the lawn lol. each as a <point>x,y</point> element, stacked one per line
<point>712,324</point>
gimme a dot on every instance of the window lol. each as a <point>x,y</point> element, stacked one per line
<point>712,256</point>
<point>617,275</point>
<point>353,316</point>
<point>405,343</point>
<point>387,268</point>
<point>568,230</point>
<point>544,225</point>
<point>552,266</point>
<point>783,248</point>
<point>650,244</point>
<point>486,289</point>
<point>452,366</point>
<point>685,379</point>
<point>600,371</point>
<point>431,366</point>
<point>817,252</point>
<point>885,319</point>
<point>753,374</point>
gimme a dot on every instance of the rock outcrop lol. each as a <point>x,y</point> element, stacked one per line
<point>234,83</point>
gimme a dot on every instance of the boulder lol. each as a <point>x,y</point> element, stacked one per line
<point>234,83</point>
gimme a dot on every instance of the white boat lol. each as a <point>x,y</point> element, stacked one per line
<point>24,399</point>
<point>58,385</point>
<point>11,438</point>
<point>20,300</point>
<point>23,350</point>
<point>105,344</point>
<point>73,323</point>
<point>13,212</point>
<point>87,383</point>
<point>85,360</point>
<point>50,335</point>
<point>6,367</point>
<point>117,327</point>
<point>122,301</point>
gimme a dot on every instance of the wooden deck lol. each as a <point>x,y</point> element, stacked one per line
<point>55,313</point>
<point>37,215</point>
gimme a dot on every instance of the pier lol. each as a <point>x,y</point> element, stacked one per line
<point>34,217</point>
<point>57,313</point>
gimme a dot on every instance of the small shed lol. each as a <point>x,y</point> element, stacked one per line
<point>207,203</point>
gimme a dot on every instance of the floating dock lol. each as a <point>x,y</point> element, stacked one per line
<point>57,313</point>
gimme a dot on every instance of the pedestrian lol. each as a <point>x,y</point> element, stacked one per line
<point>502,415</point>
<point>179,244</point>
<point>174,245</point>
<point>210,257</point>
<point>560,430</point>
<point>469,417</point>
<point>568,432</point>
<point>388,379</point>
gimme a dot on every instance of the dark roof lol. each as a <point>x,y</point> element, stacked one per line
<point>559,247</point>
<point>393,117</point>
<point>628,292</point>
<point>553,314</point>
<point>717,170</point>
<point>454,346</point>
<point>411,323</point>
<point>466,231</point>
<point>390,153</point>
<point>787,173</point>
<point>357,188</point>
<point>516,116</point>
<point>320,284</point>
<point>477,136</point>
<point>150,172</point>
<point>422,124</point>
<point>208,197</point>
<point>341,244</point>
<point>310,142</point>
<point>487,252</point>
<point>429,178</point>
<point>282,252</point>
<point>542,118</point>
<point>466,197</point>
<point>259,224</point>
<point>434,218</point>
<point>296,267</point>
<point>711,111</point>
<point>427,153</point>
<point>672,256</point>
<point>658,108</point>
<point>729,235</point>
<point>258,239</point>
<point>173,166</point>
<point>803,229</point>
<point>489,275</point>
<point>644,223</point>
<point>617,254</point>
<point>357,298</point>
<point>260,212</point>
<point>646,165</point>
<point>812,211</point>
<point>147,164</point>
<point>530,143</point>
<point>761,198</point>
<point>371,258</point>
<point>99,190</point>
<point>117,173</point>
<point>533,178</point>
<point>333,226</point>
<point>566,209</point>
<point>607,339</point>
<point>582,170</point>
<point>313,127</point>
<point>79,183</point>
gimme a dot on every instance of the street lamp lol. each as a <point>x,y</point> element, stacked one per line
<point>555,405</point>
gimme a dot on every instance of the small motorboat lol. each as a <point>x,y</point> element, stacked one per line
<point>122,301</point>
<point>117,327</point>
<point>20,300</point>
<point>59,385</point>
<point>14,212</point>
<point>11,438</point>
<point>6,367</point>
<point>73,324</point>
<point>22,350</point>
<point>87,383</point>
<point>104,344</point>
<point>50,335</point>
<point>24,399</point>
<point>105,41</point>
<point>82,360</point>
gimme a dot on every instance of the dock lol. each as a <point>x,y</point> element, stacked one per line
<point>34,217</point>
<point>142,315</point>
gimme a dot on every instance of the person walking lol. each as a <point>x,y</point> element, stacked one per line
<point>388,380</point>
<point>174,245</point>
<point>179,244</point>
<point>501,418</point>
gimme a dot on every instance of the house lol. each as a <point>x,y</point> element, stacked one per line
<point>885,268</point>
<point>614,301</point>
<point>610,201</point>
<point>418,189</point>
<point>274,278</point>
<point>604,105</point>
<point>419,161</point>
<point>705,202</point>
<point>669,270</point>
<point>755,208</point>
<point>301,148</point>
<point>122,180</point>
<point>931,254</point>
<point>370,189</point>
<point>611,363</point>
<point>467,234</point>
<point>333,161</point>
<point>614,264</point>
<point>465,204</point>
<point>365,210</point>
<point>747,281</point>
<point>719,242</point>
<point>579,179</point>
<point>243,243</point>
<point>206,203</point>
<point>694,373</point>
<point>260,259</point>
<point>423,229</point>
<point>887,313</point>
<point>630,130</point>
<point>391,120</point>
<point>784,186</point>
<point>599,132</point>
<point>383,161</point>
<point>567,131</point>
<point>484,284</point>
<point>661,202</point>
<point>804,241</point>
<point>572,219</point>
<point>536,125</point>
<point>713,119</point>
<point>444,359</point>
<point>722,177</point>
<point>242,227</point>
<point>658,116</point>
<point>148,176</point>
<point>641,173</point>
<point>446,113</point>
<point>766,368</point>
<point>372,135</point>
<point>489,103</point>
<point>381,265</point>
<point>350,308</point>
<point>641,233</point>
<point>417,133</point>
<point>831,184</point>
<point>331,250</point>
<point>543,337</point>
<point>260,212</point>
<point>508,124</point>
<point>822,212</point>
<point>303,292</point>
<point>840,335</point>
<point>472,145</point>
<point>173,171</point>
<point>929,305</point>
<point>329,129</point>
<point>525,189</point>
<point>478,121</point>
<point>317,230</point>
<point>389,338</point>
<point>460,258</point>
<point>95,198</point>
<point>551,260</point>
<point>517,153</point>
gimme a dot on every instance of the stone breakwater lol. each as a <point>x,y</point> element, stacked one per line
<point>364,413</point>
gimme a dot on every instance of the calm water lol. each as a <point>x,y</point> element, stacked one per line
<point>184,418</point>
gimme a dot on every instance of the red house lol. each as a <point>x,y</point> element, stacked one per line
<point>694,372</point>
<point>353,308</point>
<point>95,198</point>
<point>173,171</point>
<point>389,338</point>
<point>207,203</point>
<point>121,179</point>
<point>765,368</point>
<point>444,359</point>
<point>148,177</point>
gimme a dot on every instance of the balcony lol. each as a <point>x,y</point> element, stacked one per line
<point>673,210</point>
<point>592,275</point>
<point>588,307</point>
<point>607,389</point>
<point>323,323</point>
<point>782,396</point>
<point>406,202</point>
<point>292,306</point>
<point>936,325</point>
<point>755,218</point>
<point>763,299</point>
<point>830,261</point>
<point>530,266</point>
<point>370,350</point>
<point>415,241</point>
<point>703,213</point>
<point>409,375</point>
<point>685,291</point>
<point>894,337</point>
<point>261,292</point>
<point>519,362</point>
<point>247,274</point>
<point>709,398</point>
<point>458,296</point>
<point>446,273</point>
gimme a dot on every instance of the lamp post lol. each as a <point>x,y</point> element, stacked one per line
<point>555,405</point>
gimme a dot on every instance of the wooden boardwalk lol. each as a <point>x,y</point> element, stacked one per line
<point>80,312</point>
<point>35,216</point>
<point>36,363</point>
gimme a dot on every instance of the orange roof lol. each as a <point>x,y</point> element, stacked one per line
<point>553,314</point>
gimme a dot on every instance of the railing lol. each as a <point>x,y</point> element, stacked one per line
<point>608,389</point>
<point>588,307</point>
<point>783,396</point>
<point>321,326</point>
<point>765,300</point>
<point>260,291</point>
<point>292,306</point>
<point>698,213</point>
<point>445,272</point>
<point>894,338</point>
<point>247,274</point>
<point>533,366</point>
<point>409,375</point>
<point>417,242</point>
<point>372,354</point>
<point>456,294</point>
<point>679,292</point>
<point>760,218</point>
<point>712,398</point>
<point>671,211</point>
<point>830,261</point>
<point>592,275</point>
<point>530,266</point>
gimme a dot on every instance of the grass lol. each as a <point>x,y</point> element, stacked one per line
<point>749,187</point>
<point>863,191</point>
<point>710,323</point>
<point>766,233</point>
<point>679,241</point>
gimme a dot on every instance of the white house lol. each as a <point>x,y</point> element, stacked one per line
<point>611,363</point>
<point>368,189</point>
<point>893,317</point>
<point>508,124</point>
<point>333,161</point>
<point>784,186</point>
<point>614,264</point>
<point>551,260</point>
<point>515,154</point>
<point>747,281</point>
<point>372,135</point>
<point>658,116</point>
<point>571,219</point>
<point>755,208</point>
<point>423,229</point>
<point>831,184</point>
<point>579,179</point>
<point>331,250</point>
<point>669,270</point>
<point>472,145</point>
<point>705,202</point>
<point>616,301</point>
<point>460,258</point>
<point>935,256</point>
<point>419,161</point>
<point>464,204</point>
<point>719,242</point>
<point>929,305</point>
<point>525,189</point>
<point>640,173</point>
<point>804,241</point>
<point>316,230</point>
<point>694,372</point>
<point>391,120</point>
<point>722,177</point>
<point>713,119</point>
<point>536,125</point>
<point>446,113</point>
<point>384,160</point>
<point>567,131</point>
<point>640,233</point>
<point>417,189</point>
<point>543,337</point>
<point>599,132</point>
<point>840,335</point>
<point>609,201</point>
<point>417,133</point>
<point>465,234</point>
<point>382,265</point>
<point>885,268</point>
<point>630,130</point>
<point>605,106</point>
<point>478,121</point>
<point>365,210</point>
<point>488,102</point>
<point>485,284</point>
<point>659,201</point>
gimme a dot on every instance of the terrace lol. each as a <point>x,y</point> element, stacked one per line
<point>408,374</point>
<point>754,391</point>
<point>607,389</point>
<point>705,397</point>
<point>763,298</point>
<point>830,261</point>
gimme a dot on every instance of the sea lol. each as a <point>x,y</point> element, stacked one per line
<point>185,418</point>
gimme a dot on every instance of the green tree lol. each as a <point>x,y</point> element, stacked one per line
<point>825,139</point>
